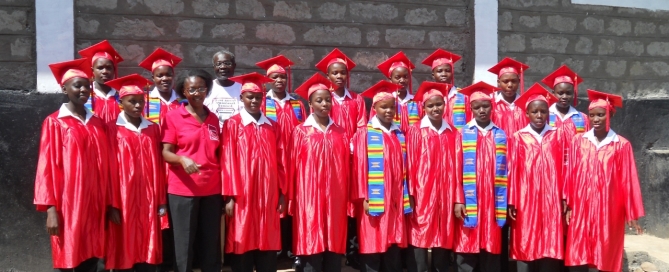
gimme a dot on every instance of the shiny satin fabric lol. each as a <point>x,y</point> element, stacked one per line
<point>254,175</point>
<point>350,114</point>
<point>107,109</point>
<point>319,189</point>
<point>509,119</point>
<point>73,174</point>
<point>535,189</point>
<point>602,190</point>
<point>140,188</point>
<point>566,131</point>
<point>435,175</point>
<point>377,233</point>
<point>487,235</point>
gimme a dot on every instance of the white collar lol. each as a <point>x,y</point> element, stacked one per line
<point>273,96</point>
<point>406,99</point>
<point>499,97</point>
<point>452,92</point>
<point>611,136</point>
<point>99,93</point>
<point>346,94</point>
<point>536,135</point>
<point>122,121</point>
<point>425,123</point>
<point>248,119</point>
<point>377,125</point>
<point>311,122</point>
<point>64,112</point>
<point>483,130</point>
<point>554,110</point>
<point>155,93</point>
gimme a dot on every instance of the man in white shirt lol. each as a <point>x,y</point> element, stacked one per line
<point>223,100</point>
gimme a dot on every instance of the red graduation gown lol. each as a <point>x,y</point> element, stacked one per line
<point>404,115</point>
<point>287,121</point>
<point>140,188</point>
<point>350,114</point>
<point>602,191</point>
<point>253,175</point>
<point>535,189</point>
<point>73,174</point>
<point>319,189</point>
<point>107,109</point>
<point>566,131</point>
<point>509,119</point>
<point>377,233</point>
<point>435,175</point>
<point>487,235</point>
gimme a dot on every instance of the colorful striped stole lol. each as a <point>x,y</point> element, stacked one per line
<point>412,111</point>
<point>270,108</point>
<point>459,118</point>
<point>375,173</point>
<point>578,120</point>
<point>153,108</point>
<point>469,138</point>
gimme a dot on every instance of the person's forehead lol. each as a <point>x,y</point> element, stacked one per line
<point>222,57</point>
<point>445,66</point>
<point>103,61</point>
<point>564,86</point>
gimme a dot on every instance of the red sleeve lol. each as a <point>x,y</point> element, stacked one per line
<point>169,131</point>
<point>230,166</point>
<point>513,169</point>
<point>280,153</point>
<point>49,174</point>
<point>413,157</point>
<point>362,116</point>
<point>570,171</point>
<point>360,171</point>
<point>459,190</point>
<point>627,174</point>
<point>161,176</point>
<point>114,177</point>
<point>294,151</point>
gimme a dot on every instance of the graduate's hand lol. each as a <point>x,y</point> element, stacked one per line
<point>189,165</point>
<point>564,207</point>
<point>162,210</point>
<point>634,224</point>
<point>365,206</point>
<point>114,215</point>
<point>460,211</point>
<point>512,212</point>
<point>52,221</point>
<point>282,204</point>
<point>567,216</point>
<point>230,206</point>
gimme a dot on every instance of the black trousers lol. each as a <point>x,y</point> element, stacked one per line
<point>389,261</point>
<point>90,265</point>
<point>482,262</point>
<point>139,267</point>
<point>417,259</point>
<point>580,268</point>
<point>261,261</point>
<point>286,234</point>
<point>504,257</point>
<point>196,224</point>
<point>321,262</point>
<point>352,258</point>
<point>540,265</point>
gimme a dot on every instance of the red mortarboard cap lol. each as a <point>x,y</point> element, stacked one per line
<point>563,75</point>
<point>604,100</point>
<point>398,60</point>
<point>333,57</point>
<point>129,85</point>
<point>479,91</point>
<point>252,82</point>
<point>159,57</point>
<point>66,70</point>
<point>102,49</point>
<point>314,83</point>
<point>508,65</point>
<point>534,93</point>
<point>382,90</point>
<point>276,64</point>
<point>440,57</point>
<point>427,90</point>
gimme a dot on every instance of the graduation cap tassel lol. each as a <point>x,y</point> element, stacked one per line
<point>608,115</point>
<point>522,80</point>
<point>576,95</point>
<point>289,73</point>
<point>410,90</point>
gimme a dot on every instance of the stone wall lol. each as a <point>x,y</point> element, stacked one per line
<point>17,44</point>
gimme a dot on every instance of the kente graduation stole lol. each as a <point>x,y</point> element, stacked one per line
<point>459,119</point>
<point>576,118</point>
<point>469,137</point>
<point>153,109</point>
<point>375,187</point>
<point>412,111</point>
<point>90,104</point>
<point>270,108</point>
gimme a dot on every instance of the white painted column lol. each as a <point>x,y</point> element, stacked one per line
<point>55,39</point>
<point>485,40</point>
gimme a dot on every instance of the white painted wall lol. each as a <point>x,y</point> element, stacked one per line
<point>642,4</point>
<point>485,40</point>
<point>55,39</point>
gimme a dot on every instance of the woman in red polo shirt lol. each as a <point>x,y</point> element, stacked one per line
<point>190,145</point>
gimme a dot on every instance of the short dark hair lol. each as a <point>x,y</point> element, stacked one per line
<point>179,87</point>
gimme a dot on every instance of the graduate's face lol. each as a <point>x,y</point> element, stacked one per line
<point>224,66</point>
<point>597,118</point>
<point>195,90</point>
<point>443,73</point>
<point>78,90</point>
<point>163,78</point>
<point>252,101</point>
<point>133,105</point>
<point>338,73</point>
<point>320,103</point>
<point>565,94</point>
<point>103,70</point>
<point>400,75</point>
<point>509,83</point>
<point>482,110</point>
<point>537,112</point>
<point>279,84</point>
<point>385,110</point>
<point>434,107</point>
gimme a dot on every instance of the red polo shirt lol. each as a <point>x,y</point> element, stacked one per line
<point>200,142</point>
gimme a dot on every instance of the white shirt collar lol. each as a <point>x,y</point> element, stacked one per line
<point>273,96</point>
<point>406,99</point>
<point>64,112</point>
<point>612,136</point>
<point>155,93</point>
<point>536,135</point>
<point>425,123</point>
<point>122,121</point>
<point>377,125</point>
<point>99,93</point>
<point>248,119</point>
<point>572,111</point>
<point>483,130</point>
<point>311,122</point>
<point>452,92</point>
<point>499,97</point>
<point>341,99</point>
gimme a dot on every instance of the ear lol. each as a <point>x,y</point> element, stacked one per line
<point>62,88</point>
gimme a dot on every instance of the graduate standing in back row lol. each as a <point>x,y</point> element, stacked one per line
<point>442,63</point>
<point>104,61</point>
<point>509,80</point>
<point>398,70</point>
<point>162,98</point>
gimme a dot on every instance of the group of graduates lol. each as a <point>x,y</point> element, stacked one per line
<point>467,173</point>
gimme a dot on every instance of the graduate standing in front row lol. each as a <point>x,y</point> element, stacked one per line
<point>379,170</point>
<point>602,191</point>
<point>73,174</point>
<point>442,63</point>
<point>535,187</point>
<point>319,186</point>
<point>398,70</point>
<point>104,61</point>
<point>140,188</point>
<point>481,206</point>
<point>434,155</point>
<point>253,181</point>
<point>162,98</point>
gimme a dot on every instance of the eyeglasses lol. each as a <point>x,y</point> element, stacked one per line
<point>200,90</point>
<point>224,63</point>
